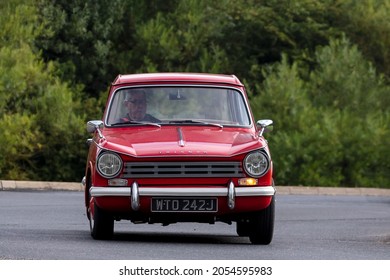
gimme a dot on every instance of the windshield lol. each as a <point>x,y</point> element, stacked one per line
<point>170,105</point>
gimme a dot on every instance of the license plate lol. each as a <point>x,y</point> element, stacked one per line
<point>184,204</point>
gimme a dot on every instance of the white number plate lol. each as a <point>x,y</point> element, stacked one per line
<point>170,204</point>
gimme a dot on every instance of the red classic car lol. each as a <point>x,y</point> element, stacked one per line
<point>179,147</point>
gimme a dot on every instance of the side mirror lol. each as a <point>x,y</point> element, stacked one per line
<point>264,126</point>
<point>92,126</point>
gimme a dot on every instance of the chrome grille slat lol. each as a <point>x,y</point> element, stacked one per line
<point>181,169</point>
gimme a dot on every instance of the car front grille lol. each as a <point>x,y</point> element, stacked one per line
<point>181,169</point>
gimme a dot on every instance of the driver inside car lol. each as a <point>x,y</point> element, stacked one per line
<point>136,105</point>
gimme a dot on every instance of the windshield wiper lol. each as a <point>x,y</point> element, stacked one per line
<point>196,122</point>
<point>135,122</point>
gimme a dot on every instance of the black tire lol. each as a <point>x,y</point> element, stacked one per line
<point>88,198</point>
<point>243,228</point>
<point>262,225</point>
<point>102,224</point>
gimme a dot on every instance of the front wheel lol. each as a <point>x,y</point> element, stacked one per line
<point>262,225</point>
<point>101,224</point>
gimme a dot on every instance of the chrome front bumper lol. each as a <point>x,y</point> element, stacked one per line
<point>135,191</point>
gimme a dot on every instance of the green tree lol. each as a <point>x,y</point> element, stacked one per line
<point>332,121</point>
<point>346,82</point>
<point>41,133</point>
<point>82,39</point>
<point>93,40</point>
<point>344,79</point>
<point>366,23</point>
<point>319,68</point>
<point>182,40</point>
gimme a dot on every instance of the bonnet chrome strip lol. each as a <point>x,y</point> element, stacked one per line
<point>181,139</point>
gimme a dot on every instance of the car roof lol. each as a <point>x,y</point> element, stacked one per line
<point>178,77</point>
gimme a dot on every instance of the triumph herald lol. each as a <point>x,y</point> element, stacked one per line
<point>179,147</point>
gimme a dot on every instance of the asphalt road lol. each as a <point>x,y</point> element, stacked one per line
<point>52,225</point>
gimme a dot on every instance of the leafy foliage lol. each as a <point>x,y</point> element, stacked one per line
<point>318,68</point>
<point>38,111</point>
<point>367,25</point>
<point>332,124</point>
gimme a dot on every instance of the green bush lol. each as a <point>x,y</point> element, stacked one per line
<point>332,123</point>
<point>40,116</point>
<point>318,68</point>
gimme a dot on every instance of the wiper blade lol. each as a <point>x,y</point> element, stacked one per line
<point>135,122</point>
<point>196,122</point>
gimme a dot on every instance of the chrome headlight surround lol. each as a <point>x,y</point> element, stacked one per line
<point>109,164</point>
<point>257,163</point>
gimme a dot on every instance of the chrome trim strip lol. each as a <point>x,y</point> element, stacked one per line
<point>145,191</point>
<point>134,196</point>
<point>109,191</point>
<point>256,191</point>
<point>181,139</point>
<point>231,196</point>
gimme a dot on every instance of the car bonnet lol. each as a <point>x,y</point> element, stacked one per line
<point>165,141</point>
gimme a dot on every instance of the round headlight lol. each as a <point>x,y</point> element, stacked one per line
<point>256,164</point>
<point>109,165</point>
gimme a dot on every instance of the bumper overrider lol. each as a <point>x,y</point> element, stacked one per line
<point>136,191</point>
